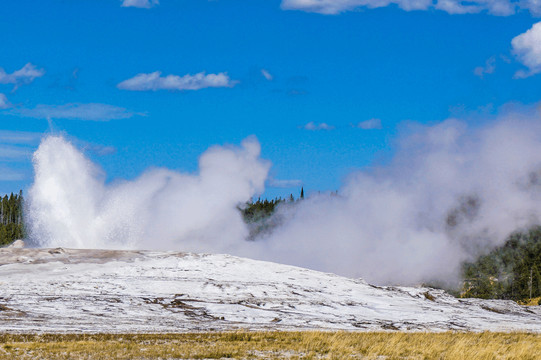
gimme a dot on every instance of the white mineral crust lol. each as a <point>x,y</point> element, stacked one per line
<point>62,290</point>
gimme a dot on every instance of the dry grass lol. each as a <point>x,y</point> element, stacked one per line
<point>274,345</point>
<point>530,302</point>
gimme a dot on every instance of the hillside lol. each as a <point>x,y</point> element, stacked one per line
<point>507,272</point>
<point>61,290</point>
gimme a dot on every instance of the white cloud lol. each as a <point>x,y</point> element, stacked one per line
<point>98,149</point>
<point>19,137</point>
<point>329,7</point>
<point>4,102</point>
<point>266,74</point>
<point>370,124</point>
<point>14,153</point>
<point>8,174</point>
<point>16,148</point>
<point>527,49</point>
<point>145,4</point>
<point>154,81</point>
<point>494,7</point>
<point>489,68</point>
<point>92,112</point>
<point>23,76</point>
<point>312,126</point>
<point>534,6</point>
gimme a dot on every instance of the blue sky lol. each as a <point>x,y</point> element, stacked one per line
<point>326,86</point>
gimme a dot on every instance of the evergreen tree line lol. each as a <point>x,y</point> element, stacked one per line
<point>255,211</point>
<point>258,214</point>
<point>511,271</point>
<point>11,218</point>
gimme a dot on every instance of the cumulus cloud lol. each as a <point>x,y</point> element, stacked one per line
<point>495,7</point>
<point>369,124</point>
<point>488,68</point>
<point>266,74</point>
<point>23,76</point>
<point>154,81</point>
<point>4,102</point>
<point>527,49</point>
<point>312,126</point>
<point>78,111</point>
<point>145,4</point>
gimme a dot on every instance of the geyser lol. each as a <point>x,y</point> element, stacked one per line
<point>450,193</point>
<point>70,204</point>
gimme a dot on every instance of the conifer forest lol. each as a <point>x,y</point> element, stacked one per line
<point>11,218</point>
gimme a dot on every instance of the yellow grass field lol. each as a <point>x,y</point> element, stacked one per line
<point>274,345</point>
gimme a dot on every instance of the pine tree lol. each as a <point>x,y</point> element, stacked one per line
<point>11,218</point>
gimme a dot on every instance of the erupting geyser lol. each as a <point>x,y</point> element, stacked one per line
<point>72,206</point>
<point>451,193</point>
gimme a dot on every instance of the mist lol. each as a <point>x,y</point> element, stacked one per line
<point>70,204</point>
<point>450,193</point>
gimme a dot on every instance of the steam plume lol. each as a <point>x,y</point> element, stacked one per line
<point>450,193</point>
<point>71,206</point>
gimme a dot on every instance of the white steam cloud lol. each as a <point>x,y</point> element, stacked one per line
<point>71,206</point>
<point>451,193</point>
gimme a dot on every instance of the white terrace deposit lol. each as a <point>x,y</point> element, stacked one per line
<point>61,290</point>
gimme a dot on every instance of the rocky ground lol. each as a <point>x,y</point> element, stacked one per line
<point>63,290</point>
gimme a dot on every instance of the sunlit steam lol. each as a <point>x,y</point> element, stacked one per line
<point>70,204</point>
<point>450,193</point>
